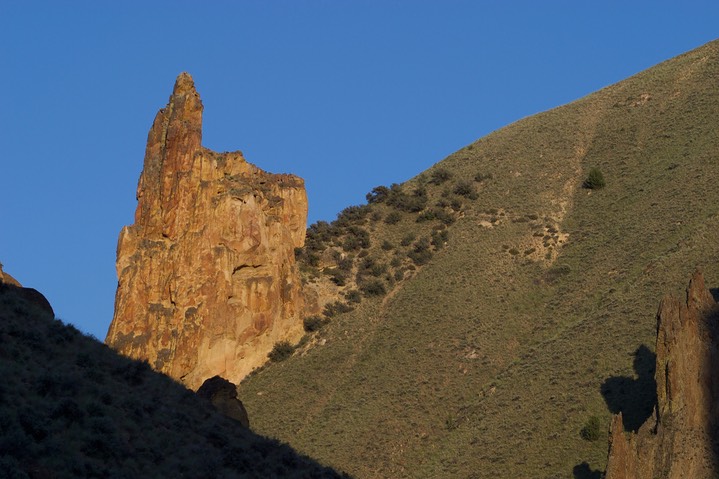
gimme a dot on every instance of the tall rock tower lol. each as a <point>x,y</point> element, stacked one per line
<point>207,274</point>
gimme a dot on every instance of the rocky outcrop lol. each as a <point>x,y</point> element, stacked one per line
<point>223,395</point>
<point>30,295</point>
<point>679,440</point>
<point>5,278</point>
<point>207,275</point>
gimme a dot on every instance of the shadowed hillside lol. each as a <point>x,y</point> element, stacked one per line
<point>471,320</point>
<point>71,407</point>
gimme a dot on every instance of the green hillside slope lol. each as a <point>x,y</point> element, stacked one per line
<point>71,407</point>
<point>537,314</point>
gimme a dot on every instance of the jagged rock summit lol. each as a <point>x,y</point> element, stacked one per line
<point>207,275</point>
<point>680,439</point>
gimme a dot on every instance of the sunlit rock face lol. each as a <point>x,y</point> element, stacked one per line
<point>207,274</point>
<point>680,439</point>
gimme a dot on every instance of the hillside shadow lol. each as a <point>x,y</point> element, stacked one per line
<point>634,398</point>
<point>583,471</point>
<point>715,293</point>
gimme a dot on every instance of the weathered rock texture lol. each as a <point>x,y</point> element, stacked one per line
<point>207,275</point>
<point>223,396</point>
<point>679,440</point>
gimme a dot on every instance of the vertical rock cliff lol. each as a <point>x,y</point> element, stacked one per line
<point>680,439</point>
<point>207,274</point>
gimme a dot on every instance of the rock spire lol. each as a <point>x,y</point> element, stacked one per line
<point>207,275</point>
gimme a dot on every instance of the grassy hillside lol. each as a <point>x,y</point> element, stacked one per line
<point>71,407</point>
<point>533,313</point>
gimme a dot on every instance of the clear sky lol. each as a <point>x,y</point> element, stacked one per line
<point>346,94</point>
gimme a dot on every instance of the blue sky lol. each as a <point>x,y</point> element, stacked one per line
<point>346,94</point>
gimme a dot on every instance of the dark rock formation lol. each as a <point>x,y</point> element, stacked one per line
<point>30,295</point>
<point>223,395</point>
<point>679,440</point>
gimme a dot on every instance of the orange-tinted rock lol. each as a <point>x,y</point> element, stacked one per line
<point>207,275</point>
<point>679,440</point>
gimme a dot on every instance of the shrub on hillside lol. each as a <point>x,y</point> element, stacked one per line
<point>373,287</point>
<point>407,239</point>
<point>591,430</point>
<point>595,180</point>
<point>378,194</point>
<point>466,189</point>
<point>353,296</point>
<point>420,253</point>
<point>402,201</point>
<point>439,176</point>
<point>357,238</point>
<point>333,309</point>
<point>352,215</point>
<point>281,351</point>
<point>313,323</point>
<point>393,218</point>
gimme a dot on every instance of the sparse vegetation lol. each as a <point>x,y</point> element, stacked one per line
<point>281,351</point>
<point>595,180</point>
<point>439,176</point>
<point>516,348</point>
<point>591,429</point>
<point>313,323</point>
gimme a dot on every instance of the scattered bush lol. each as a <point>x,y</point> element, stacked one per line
<point>595,180</point>
<point>393,218</point>
<point>466,189</point>
<point>402,201</point>
<point>386,245</point>
<point>352,215</point>
<point>378,194</point>
<point>407,239</point>
<point>357,238</point>
<point>337,276</point>
<point>281,351</point>
<point>420,253</point>
<point>591,430</point>
<point>333,309</point>
<point>439,238</point>
<point>439,176</point>
<point>373,287</point>
<point>313,323</point>
<point>353,296</point>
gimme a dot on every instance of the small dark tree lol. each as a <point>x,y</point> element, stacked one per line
<point>378,194</point>
<point>591,430</point>
<point>595,180</point>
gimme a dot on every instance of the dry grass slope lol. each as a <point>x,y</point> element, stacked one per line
<point>488,360</point>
